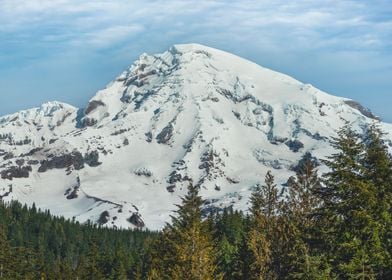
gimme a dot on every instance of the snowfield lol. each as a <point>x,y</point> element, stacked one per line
<point>192,113</point>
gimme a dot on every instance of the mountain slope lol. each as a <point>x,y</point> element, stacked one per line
<point>191,113</point>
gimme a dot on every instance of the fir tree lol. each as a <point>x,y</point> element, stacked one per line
<point>118,269</point>
<point>302,199</point>
<point>93,270</point>
<point>190,252</point>
<point>229,234</point>
<point>40,246</point>
<point>348,200</point>
<point>378,172</point>
<point>265,207</point>
<point>301,261</point>
<point>163,255</point>
<point>5,255</point>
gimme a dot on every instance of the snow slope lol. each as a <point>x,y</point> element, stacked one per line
<point>190,113</point>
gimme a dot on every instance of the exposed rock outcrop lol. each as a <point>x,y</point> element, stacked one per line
<point>74,159</point>
<point>16,172</point>
<point>364,111</point>
<point>294,145</point>
<point>92,105</point>
<point>136,220</point>
<point>103,218</point>
<point>166,134</point>
<point>142,172</point>
<point>92,159</point>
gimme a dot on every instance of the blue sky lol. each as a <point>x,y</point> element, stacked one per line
<point>67,49</point>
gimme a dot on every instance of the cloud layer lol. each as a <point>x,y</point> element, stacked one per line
<point>66,49</point>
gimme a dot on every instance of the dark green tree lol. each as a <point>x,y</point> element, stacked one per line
<point>301,261</point>
<point>263,233</point>
<point>346,215</point>
<point>5,255</point>
<point>378,173</point>
<point>119,271</point>
<point>191,254</point>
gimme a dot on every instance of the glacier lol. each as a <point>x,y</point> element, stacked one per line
<point>190,114</point>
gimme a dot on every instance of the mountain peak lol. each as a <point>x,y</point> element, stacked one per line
<point>194,48</point>
<point>206,73</point>
<point>190,114</point>
<point>191,47</point>
<point>48,108</point>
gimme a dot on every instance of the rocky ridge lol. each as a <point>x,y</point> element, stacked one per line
<point>191,114</point>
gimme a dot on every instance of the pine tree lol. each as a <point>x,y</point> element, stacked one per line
<point>378,171</point>
<point>40,246</point>
<point>311,267</point>
<point>80,269</point>
<point>5,255</point>
<point>24,263</point>
<point>229,234</point>
<point>245,260</point>
<point>346,215</point>
<point>265,207</point>
<point>118,269</point>
<point>191,253</point>
<point>302,198</point>
<point>225,255</point>
<point>301,261</point>
<point>92,269</point>
<point>163,256</point>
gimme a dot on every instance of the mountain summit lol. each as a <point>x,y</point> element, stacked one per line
<point>192,113</point>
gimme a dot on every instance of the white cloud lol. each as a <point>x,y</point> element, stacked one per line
<point>306,24</point>
<point>106,37</point>
<point>319,41</point>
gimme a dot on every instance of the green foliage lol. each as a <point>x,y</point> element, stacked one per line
<point>335,227</point>
<point>229,235</point>
<point>36,245</point>
<point>189,252</point>
<point>264,229</point>
<point>354,205</point>
<point>378,172</point>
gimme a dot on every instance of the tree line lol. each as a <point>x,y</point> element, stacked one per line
<point>334,226</point>
<point>36,245</point>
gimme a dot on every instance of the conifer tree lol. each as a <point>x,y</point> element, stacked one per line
<point>229,232</point>
<point>310,267</point>
<point>347,223</point>
<point>24,263</point>
<point>225,254</point>
<point>40,246</point>
<point>377,164</point>
<point>163,256</point>
<point>301,203</point>
<point>191,253</point>
<point>118,269</point>
<point>302,198</point>
<point>92,269</point>
<point>264,209</point>
<point>80,269</point>
<point>5,255</point>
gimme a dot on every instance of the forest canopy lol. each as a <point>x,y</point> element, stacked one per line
<point>334,226</point>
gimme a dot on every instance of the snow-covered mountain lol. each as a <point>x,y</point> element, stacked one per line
<point>190,113</point>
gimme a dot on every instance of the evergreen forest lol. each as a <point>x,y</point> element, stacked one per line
<point>332,226</point>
